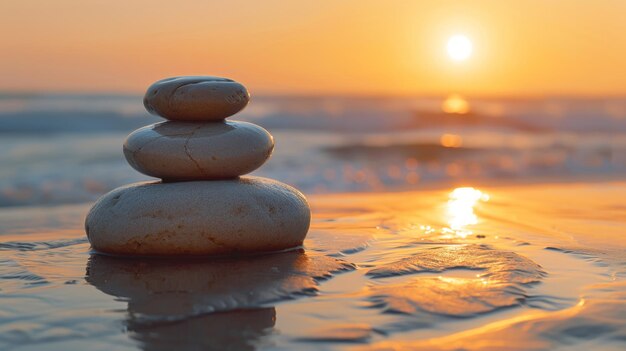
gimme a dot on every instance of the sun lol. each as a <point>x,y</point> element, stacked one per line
<point>459,47</point>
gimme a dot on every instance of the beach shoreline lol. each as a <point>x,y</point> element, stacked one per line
<point>572,281</point>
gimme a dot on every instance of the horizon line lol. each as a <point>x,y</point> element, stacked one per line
<point>18,93</point>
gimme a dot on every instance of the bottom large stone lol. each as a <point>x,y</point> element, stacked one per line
<point>245,215</point>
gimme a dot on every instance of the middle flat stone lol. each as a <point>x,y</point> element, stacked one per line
<point>175,151</point>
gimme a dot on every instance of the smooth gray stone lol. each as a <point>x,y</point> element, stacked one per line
<point>244,215</point>
<point>196,98</point>
<point>176,151</point>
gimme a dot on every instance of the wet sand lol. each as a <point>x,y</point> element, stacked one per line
<point>496,268</point>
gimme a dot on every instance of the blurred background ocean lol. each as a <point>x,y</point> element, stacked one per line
<point>67,148</point>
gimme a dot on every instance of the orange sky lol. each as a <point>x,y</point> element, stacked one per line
<point>356,47</point>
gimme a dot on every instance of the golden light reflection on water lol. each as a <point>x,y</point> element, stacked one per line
<point>454,282</point>
<point>451,140</point>
<point>460,210</point>
<point>455,104</point>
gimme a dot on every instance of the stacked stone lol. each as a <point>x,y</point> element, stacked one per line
<point>203,205</point>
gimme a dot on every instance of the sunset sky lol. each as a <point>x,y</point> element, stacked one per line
<point>564,47</point>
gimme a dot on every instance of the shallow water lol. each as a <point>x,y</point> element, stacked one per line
<point>518,268</point>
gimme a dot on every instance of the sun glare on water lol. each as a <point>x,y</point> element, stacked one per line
<point>460,209</point>
<point>459,47</point>
<point>455,104</point>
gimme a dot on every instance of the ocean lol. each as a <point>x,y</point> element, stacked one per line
<point>67,148</point>
<point>437,224</point>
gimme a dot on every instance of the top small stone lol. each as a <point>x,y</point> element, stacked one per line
<point>196,98</point>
